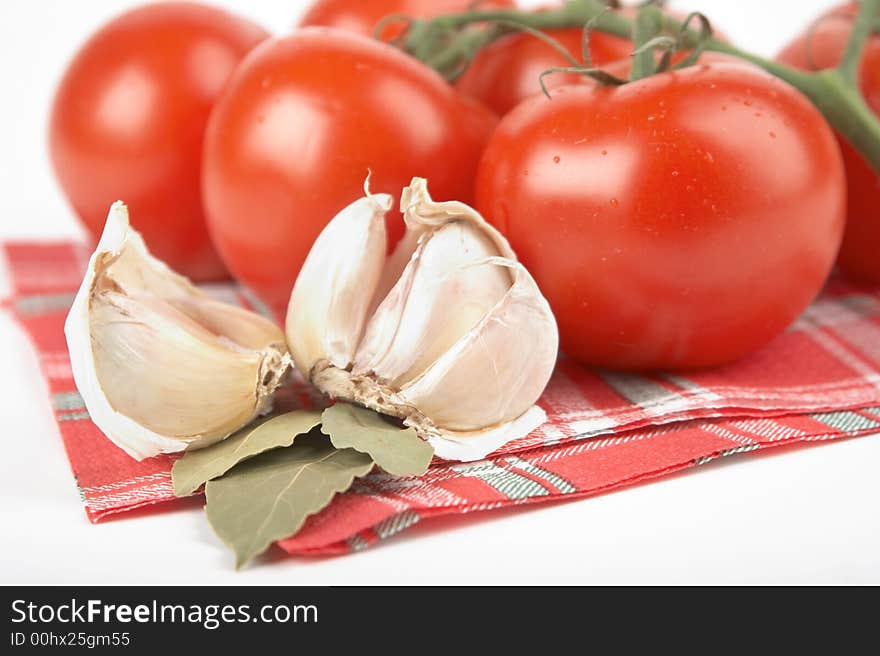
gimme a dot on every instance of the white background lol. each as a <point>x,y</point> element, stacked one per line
<point>797,516</point>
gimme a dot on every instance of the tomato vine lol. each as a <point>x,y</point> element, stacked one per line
<point>447,42</point>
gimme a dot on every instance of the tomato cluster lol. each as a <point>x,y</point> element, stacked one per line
<point>679,221</point>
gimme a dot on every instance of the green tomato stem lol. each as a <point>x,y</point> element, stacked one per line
<point>852,56</point>
<point>842,105</point>
<point>834,92</point>
<point>647,26</point>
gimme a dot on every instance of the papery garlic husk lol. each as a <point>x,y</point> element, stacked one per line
<point>161,366</point>
<point>450,333</point>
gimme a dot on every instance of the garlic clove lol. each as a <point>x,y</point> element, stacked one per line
<point>147,340</point>
<point>334,291</point>
<point>496,371</point>
<point>236,324</point>
<point>445,290</point>
<point>421,215</point>
<point>449,267</point>
<point>161,366</point>
<point>457,340</point>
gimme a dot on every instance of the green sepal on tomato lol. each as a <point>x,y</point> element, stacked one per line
<point>506,72</point>
<point>677,222</point>
<point>302,122</point>
<point>128,122</point>
<point>821,47</point>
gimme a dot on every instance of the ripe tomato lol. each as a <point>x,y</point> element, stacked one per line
<point>822,48</point>
<point>303,120</point>
<point>676,222</point>
<point>507,71</point>
<point>361,17</point>
<point>128,120</point>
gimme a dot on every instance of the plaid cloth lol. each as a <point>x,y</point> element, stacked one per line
<point>819,381</point>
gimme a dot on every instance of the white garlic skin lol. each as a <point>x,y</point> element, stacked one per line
<point>161,366</point>
<point>453,335</point>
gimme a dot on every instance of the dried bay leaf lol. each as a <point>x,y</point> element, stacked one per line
<point>196,468</point>
<point>398,451</point>
<point>270,496</point>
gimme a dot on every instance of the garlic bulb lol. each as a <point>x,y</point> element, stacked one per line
<point>450,333</point>
<point>160,365</point>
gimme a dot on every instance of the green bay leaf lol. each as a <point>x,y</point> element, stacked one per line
<point>270,496</point>
<point>398,451</point>
<point>196,468</point>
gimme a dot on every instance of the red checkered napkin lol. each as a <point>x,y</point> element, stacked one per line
<point>819,381</point>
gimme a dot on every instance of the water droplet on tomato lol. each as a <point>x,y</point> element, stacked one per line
<point>772,135</point>
<point>556,159</point>
<point>604,152</point>
<point>614,202</point>
<point>675,174</point>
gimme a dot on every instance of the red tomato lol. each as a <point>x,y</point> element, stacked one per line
<point>361,16</point>
<point>128,120</point>
<point>860,252</point>
<point>677,222</point>
<point>304,118</point>
<point>507,71</point>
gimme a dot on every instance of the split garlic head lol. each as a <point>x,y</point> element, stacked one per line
<point>450,333</point>
<point>160,365</point>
